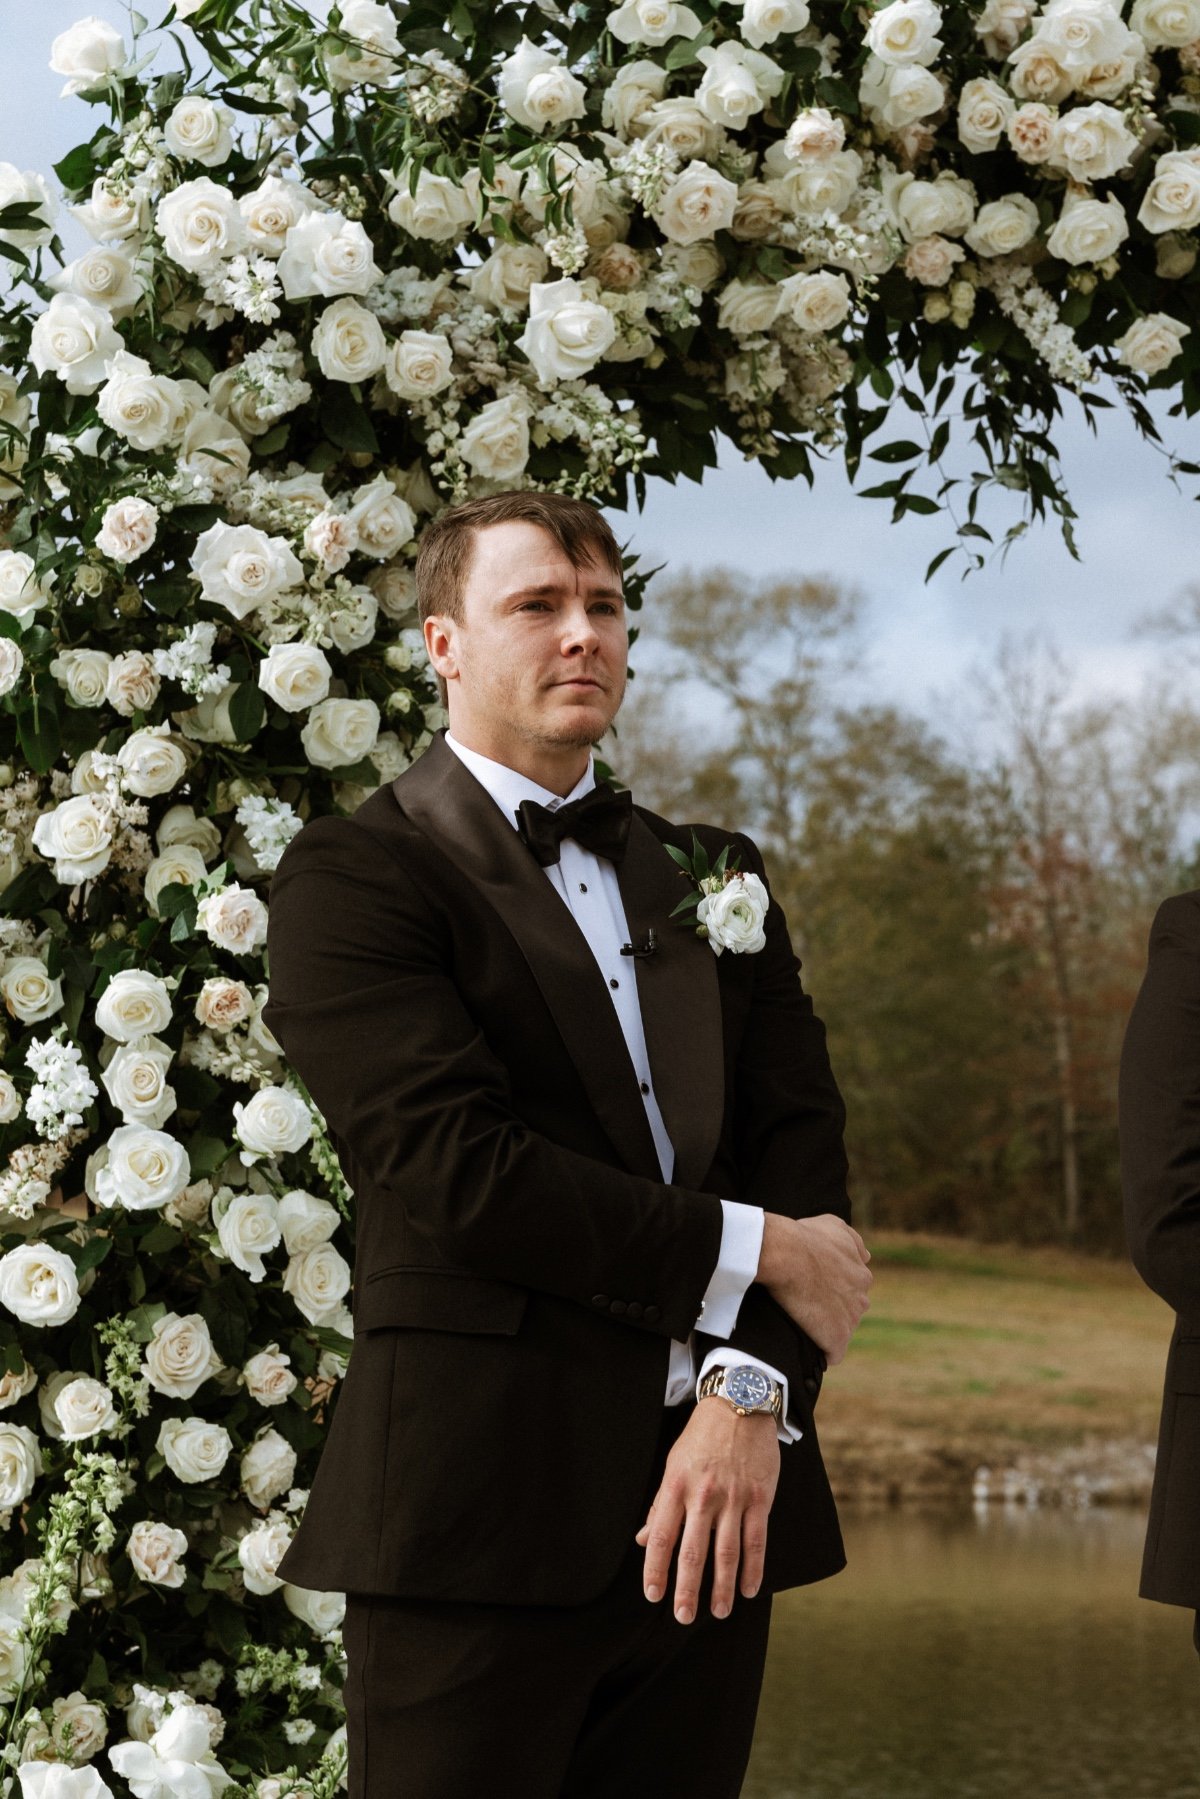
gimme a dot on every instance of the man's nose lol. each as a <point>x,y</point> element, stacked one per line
<point>579,629</point>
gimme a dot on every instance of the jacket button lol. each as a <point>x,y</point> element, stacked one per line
<point>599,1299</point>
<point>617,1308</point>
<point>652,1314</point>
<point>811,1384</point>
<point>633,1310</point>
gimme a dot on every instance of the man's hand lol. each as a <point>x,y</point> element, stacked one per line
<point>817,1269</point>
<point>720,1476</point>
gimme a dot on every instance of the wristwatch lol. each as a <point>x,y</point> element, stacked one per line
<point>746,1388</point>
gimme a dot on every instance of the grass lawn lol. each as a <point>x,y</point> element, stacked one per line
<point>982,1354</point>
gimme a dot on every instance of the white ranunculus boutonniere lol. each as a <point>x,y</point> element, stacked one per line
<point>730,906</point>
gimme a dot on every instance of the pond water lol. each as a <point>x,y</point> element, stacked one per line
<point>998,1655</point>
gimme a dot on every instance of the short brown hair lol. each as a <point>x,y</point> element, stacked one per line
<point>447,544</point>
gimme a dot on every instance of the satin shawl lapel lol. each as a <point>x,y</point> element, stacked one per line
<point>442,796</point>
<point>680,1002</point>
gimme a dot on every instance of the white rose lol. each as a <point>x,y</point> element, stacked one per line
<point>84,1408</point>
<point>79,1730</point>
<point>135,1079</point>
<point>110,214</point>
<point>1088,230</point>
<point>376,41</point>
<point>87,53</point>
<point>295,675</point>
<point>29,992</point>
<point>14,1657</point>
<point>234,919</point>
<point>180,1356</point>
<point>747,308</point>
<point>248,1228</point>
<point>984,108</point>
<point>268,1469</point>
<point>1001,24</point>
<point>39,1285</point>
<point>352,624</point>
<point>156,1551</point>
<point>1003,225</point>
<point>897,97</point>
<point>77,837</point>
<point>198,130</point>
<point>504,279</point>
<point>128,529</point>
<point>132,683</point>
<point>306,1220</point>
<point>134,1004</point>
<point>20,1461</point>
<point>270,210</point>
<point>765,20</point>
<point>12,661</point>
<point>496,442</point>
<point>145,409</point>
<point>652,22</point>
<point>437,210</point>
<point>144,1171</point>
<point>1164,24</point>
<point>182,863</point>
<point>537,89</point>
<point>222,1003</point>
<point>179,824</point>
<point>82,674</point>
<point>193,1449</point>
<point>1172,200</point>
<point>151,763</point>
<point>10,1105</point>
<point>214,451</point>
<point>240,567</point>
<point>1031,131</point>
<point>268,1376</point>
<point>395,589</point>
<point>327,254</point>
<point>20,590</point>
<point>1092,142</point>
<point>816,302</point>
<point>698,203</point>
<point>1080,34</point>
<point>1036,74</point>
<point>683,127</point>
<point>733,917</point>
<point>103,275</point>
<point>1152,342</point>
<point>906,32</point>
<point>27,187</point>
<point>200,225</point>
<point>384,522</point>
<point>340,732</point>
<point>811,189</point>
<point>566,335</point>
<point>419,363</point>
<point>814,134</point>
<point>73,339</point>
<point>1174,257</point>
<point>275,1121</point>
<point>322,1612</point>
<point>260,1552</point>
<point>318,1279</point>
<point>944,207</point>
<point>348,342</point>
<point>634,87</point>
<point>737,84</point>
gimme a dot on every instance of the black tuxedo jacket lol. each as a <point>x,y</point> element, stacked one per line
<point>1160,1177</point>
<point>520,1266</point>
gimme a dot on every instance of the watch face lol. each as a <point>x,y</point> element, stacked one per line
<point>747,1386</point>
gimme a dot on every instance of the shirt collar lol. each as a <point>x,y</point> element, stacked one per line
<point>508,786</point>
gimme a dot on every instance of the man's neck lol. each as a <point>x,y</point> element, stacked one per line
<point>558,769</point>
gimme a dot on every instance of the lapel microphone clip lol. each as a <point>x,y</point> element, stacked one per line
<point>649,948</point>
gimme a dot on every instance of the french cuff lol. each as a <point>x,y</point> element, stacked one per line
<point>736,1269</point>
<point>726,1356</point>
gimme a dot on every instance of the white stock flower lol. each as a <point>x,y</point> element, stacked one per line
<point>818,301</point>
<point>340,732</point>
<point>268,1468</point>
<point>496,442</point>
<point>20,1459</point>
<point>198,130</point>
<point>180,1356</point>
<point>984,109</point>
<point>77,837</point>
<point>437,210</point>
<point>1092,142</point>
<point>1004,225</point>
<point>21,592</point>
<point>737,83</point>
<point>275,1121</point>
<point>128,528</point>
<point>268,1376</point>
<point>193,1449</point>
<point>260,1552</point>
<point>145,1169</point>
<point>84,1408</point>
<point>733,917</point>
<point>537,89</point>
<point>318,1279</point>
<point>567,334</point>
<point>156,1552</point>
<point>146,409</point>
<point>327,254</point>
<point>135,1079</point>
<point>420,363</point>
<point>765,20</point>
<point>87,53</point>
<point>39,1285</point>
<point>1172,200</point>
<point>240,567</point>
<point>306,1220</point>
<point>73,339</point>
<point>248,1229</point>
<point>348,342</point>
<point>1088,230</point>
<point>200,225</point>
<point>234,919</point>
<point>295,675</point>
<point>699,202</point>
<point>135,1004</point>
<point>1151,342</point>
<point>652,22</point>
<point>905,32</point>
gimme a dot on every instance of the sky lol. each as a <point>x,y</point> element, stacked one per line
<point>1138,535</point>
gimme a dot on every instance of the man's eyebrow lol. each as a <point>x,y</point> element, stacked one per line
<point>537,589</point>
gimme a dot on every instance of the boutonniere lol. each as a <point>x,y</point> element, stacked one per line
<point>729,906</point>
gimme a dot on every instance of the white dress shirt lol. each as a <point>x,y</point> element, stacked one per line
<point>588,885</point>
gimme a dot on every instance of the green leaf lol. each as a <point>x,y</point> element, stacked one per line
<point>684,52</point>
<point>939,559</point>
<point>205,1155</point>
<point>247,711</point>
<point>160,1238</point>
<point>346,422</point>
<point>93,1253</point>
<point>900,451</point>
<point>677,855</point>
<point>76,170</point>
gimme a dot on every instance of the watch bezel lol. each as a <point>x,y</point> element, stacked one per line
<point>762,1386</point>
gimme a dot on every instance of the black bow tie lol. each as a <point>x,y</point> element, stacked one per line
<point>599,821</point>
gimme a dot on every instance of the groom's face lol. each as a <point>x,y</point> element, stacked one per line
<point>541,654</point>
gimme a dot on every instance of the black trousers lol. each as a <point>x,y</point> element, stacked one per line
<point>609,1700</point>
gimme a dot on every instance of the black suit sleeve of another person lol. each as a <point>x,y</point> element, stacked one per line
<point>365,1006</point>
<point>1160,1110</point>
<point>789,1121</point>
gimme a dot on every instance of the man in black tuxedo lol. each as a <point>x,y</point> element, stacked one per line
<point>1160,1177</point>
<point>598,1170</point>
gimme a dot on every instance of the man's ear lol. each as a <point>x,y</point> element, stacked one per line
<point>441,645</point>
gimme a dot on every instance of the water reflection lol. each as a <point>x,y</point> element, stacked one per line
<point>1000,1655</point>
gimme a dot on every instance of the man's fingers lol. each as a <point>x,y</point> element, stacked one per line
<point>727,1553</point>
<point>693,1551</point>
<point>662,1528</point>
<point>754,1548</point>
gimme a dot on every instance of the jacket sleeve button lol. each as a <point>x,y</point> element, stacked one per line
<point>652,1314</point>
<point>811,1384</point>
<point>617,1308</point>
<point>599,1299</point>
<point>633,1309</point>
